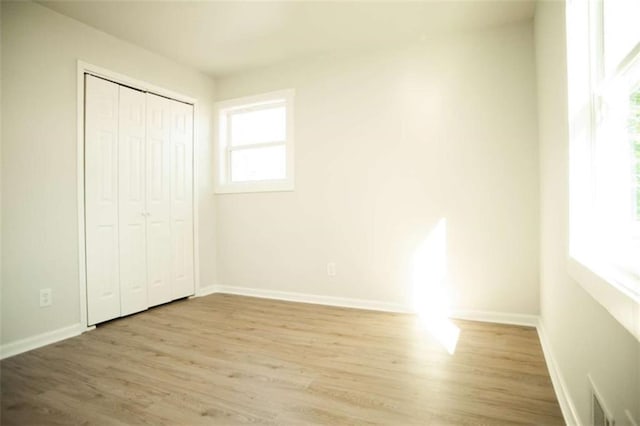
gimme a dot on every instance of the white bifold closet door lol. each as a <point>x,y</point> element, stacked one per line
<point>101,200</point>
<point>158,199</point>
<point>182,266</point>
<point>131,201</point>
<point>138,199</point>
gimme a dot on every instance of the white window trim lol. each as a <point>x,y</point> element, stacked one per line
<point>607,287</point>
<point>223,184</point>
<point>616,290</point>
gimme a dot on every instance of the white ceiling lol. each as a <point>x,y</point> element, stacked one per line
<point>222,37</point>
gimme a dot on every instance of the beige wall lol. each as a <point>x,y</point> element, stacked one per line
<point>387,144</point>
<point>40,49</point>
<point>585,338</point>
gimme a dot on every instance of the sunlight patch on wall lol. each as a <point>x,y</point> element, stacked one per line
<point>431,300</point>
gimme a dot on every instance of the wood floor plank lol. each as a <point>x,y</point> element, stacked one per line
<point>225,359</point>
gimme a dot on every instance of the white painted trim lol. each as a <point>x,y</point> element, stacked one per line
<point>206,290</point>
<point>496,317</point>
<point>222,181</point>
<point>138,84</point>
<point>569,411</point>
<point>344,302</point>
<point>374,305</point>
<point>195,151</point>
<point>622,304</point>
<point>253,100</point>
<point>259,186</point>
<point>14,348</point>
<point>82,247</point>
<point>82,68</point>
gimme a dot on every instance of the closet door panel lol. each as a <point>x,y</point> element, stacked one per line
<point>158,199</point>
<point>182,199</point>
<point>132,210</point>
<point>101,200</point>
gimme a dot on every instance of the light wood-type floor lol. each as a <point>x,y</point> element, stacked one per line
<point>225,359</point>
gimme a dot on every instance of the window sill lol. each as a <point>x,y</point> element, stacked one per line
<point>241,188</point>
<point>619,294</point>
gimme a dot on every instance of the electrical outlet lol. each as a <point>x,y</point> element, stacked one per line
<point>331,269</point>
<point>45,297</point>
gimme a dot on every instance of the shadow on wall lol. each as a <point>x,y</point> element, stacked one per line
<point>431,299</point>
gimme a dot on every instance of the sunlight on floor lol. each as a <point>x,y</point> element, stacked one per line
<point>430,292</point>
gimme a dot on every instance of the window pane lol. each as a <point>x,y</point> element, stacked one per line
<point>258,164</point>
<point>621,30</point>
<point>263,125</point>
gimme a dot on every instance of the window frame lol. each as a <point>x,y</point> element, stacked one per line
<point>614,286</point>
<point>223,111</point>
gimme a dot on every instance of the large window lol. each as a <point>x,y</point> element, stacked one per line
<point>255,143</point>
<point>603,42</point>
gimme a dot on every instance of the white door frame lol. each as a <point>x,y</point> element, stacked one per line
<point>84,68</point>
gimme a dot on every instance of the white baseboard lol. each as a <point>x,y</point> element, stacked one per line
<point>496,317</point>
<point>14,348</point>
<point>207,290</point>
<point>344,302</point>
<point>569,411</point>
<point>374,305</point>
<point>566,405</point>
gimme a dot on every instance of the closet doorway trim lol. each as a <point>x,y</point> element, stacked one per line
<point>86,68</point>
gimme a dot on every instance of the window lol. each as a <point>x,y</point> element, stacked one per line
<point>603,53</point>
<point>255,143</point>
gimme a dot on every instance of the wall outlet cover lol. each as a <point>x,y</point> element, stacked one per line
<point>45,297</point>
